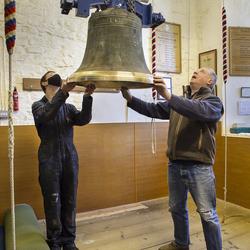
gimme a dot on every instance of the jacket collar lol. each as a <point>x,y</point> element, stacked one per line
<point>201,92</point>
<point>44,99</point>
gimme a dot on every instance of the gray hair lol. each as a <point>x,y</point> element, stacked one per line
<point>213,76</point>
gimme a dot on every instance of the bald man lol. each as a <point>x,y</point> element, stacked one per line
<point>191,152</point>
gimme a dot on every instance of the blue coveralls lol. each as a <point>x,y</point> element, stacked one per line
<point>58,163</point>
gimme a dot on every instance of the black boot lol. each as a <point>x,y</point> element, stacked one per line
<point>55,247</point>
<point>70,247</point>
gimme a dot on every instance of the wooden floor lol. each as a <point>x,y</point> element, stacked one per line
<point>148,225</point>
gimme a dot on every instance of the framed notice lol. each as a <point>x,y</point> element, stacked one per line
<point>168,48</point>
<point>239,51</point>
<point>208,59</point>
<point>245,92</point>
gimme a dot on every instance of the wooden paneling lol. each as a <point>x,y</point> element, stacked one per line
<point>219,165</point>
<point>116,166</point>
<point>4,173</point>
<point>151,170</point>
<point>106,167</point>
<point>27,189</point>
<point>106,156</point>
<point>239,171</point>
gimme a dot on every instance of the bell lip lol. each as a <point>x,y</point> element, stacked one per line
<point>112,79</point>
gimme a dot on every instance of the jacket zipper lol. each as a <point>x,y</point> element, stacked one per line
<point>176,134</point>
<point>200,140</point>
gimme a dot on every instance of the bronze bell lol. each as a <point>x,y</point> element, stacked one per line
<point>114,55</point>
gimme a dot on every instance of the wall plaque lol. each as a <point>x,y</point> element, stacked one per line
<point>168,48</point>
<point>239,51</point>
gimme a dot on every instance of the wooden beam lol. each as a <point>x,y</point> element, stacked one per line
<point>33,84</point>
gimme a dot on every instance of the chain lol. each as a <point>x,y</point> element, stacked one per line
<point>131,5</point>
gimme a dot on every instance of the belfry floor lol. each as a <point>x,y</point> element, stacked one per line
<point>148,225</point>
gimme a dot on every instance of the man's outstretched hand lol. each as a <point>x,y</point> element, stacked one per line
<point>126,94</point>
<point>161,88</point>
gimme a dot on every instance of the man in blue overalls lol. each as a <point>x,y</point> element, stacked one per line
<point>58,160</point>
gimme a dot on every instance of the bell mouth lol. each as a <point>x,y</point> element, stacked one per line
<point>112,79</point>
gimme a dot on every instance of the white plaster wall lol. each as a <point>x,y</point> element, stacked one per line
<point>182,12</point>
<point>238,15</point>
<point>48,40</point>
<point>210,32</point>
<point>210,37</point>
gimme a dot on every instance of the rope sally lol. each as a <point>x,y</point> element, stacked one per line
<point>10,36</point>
<point>10,24</point>
<point>224,44</point>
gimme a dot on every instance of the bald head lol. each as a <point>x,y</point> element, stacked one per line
<point>203,77</point>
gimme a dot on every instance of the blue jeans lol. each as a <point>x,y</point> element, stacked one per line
<point>199,180</point>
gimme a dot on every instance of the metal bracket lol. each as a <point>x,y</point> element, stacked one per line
<point>142,10</point>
